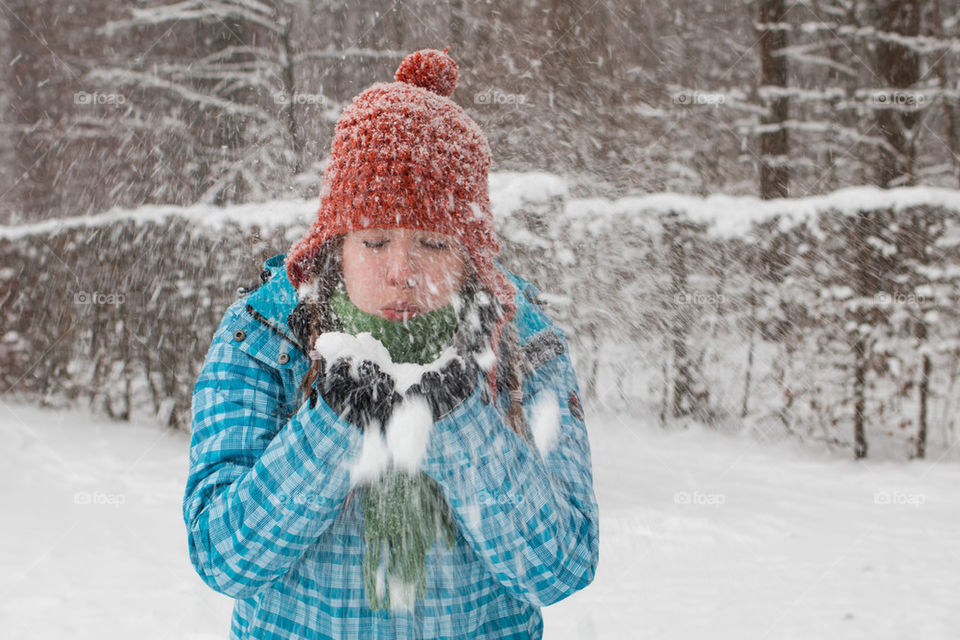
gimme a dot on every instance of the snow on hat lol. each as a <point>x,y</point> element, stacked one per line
<point>405,155</point>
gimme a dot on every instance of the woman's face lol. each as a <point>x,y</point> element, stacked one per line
<point>401,273</point>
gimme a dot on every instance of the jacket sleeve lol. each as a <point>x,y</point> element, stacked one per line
<point>533,518</point>
<point>261,488</point>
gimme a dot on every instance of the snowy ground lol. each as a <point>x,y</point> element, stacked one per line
<point>702,536</point>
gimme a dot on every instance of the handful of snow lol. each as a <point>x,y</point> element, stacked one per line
<point>408,428</point>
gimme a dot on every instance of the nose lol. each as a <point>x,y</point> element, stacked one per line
<point>402,271</point>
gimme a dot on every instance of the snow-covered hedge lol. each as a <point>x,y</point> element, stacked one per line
<point>802,316</point>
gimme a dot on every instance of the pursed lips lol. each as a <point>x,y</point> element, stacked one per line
<point>400,310</point>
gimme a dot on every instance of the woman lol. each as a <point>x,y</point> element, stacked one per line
<point>387,435</point>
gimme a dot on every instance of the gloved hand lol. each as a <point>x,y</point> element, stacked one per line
<point>372,396</point>
<point>365,400</point>
<point>446,389</point>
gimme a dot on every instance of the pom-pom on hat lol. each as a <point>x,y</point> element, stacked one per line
<point>405,155</point>
<point>430,69</point>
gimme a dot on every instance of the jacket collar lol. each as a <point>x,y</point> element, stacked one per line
<point>273,301</point>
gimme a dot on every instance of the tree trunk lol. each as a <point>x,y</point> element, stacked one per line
<point>949,103</point>
<point>222,134</point>
<point>924,390</point>
<point>863,286</point>
<point>774,145</point>
<point>290,88</point>
<point>682,382</point>
<point>899,67</point>
<point>859,397</point>
<point>751,340</point>
<point>33,105</point>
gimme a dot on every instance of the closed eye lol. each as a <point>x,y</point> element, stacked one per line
<point>374,244</point>
<point>436,246</point>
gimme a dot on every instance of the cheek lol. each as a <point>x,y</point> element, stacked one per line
<point>444,276</point>
<point>360,266</point>
<point>360,278</point>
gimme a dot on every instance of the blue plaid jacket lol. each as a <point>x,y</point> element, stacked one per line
<point>268,521</point>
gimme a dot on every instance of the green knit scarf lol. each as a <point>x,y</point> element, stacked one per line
<point>404,514</point>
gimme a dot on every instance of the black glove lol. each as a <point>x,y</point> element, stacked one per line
<point>367,399</point>
<point>446,389</point>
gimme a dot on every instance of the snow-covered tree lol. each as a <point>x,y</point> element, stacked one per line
<point>229,95</point>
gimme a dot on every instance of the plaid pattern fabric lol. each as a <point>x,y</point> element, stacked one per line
<point>269,522</point>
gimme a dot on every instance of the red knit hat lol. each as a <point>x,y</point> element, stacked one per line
<point>405,155</point>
